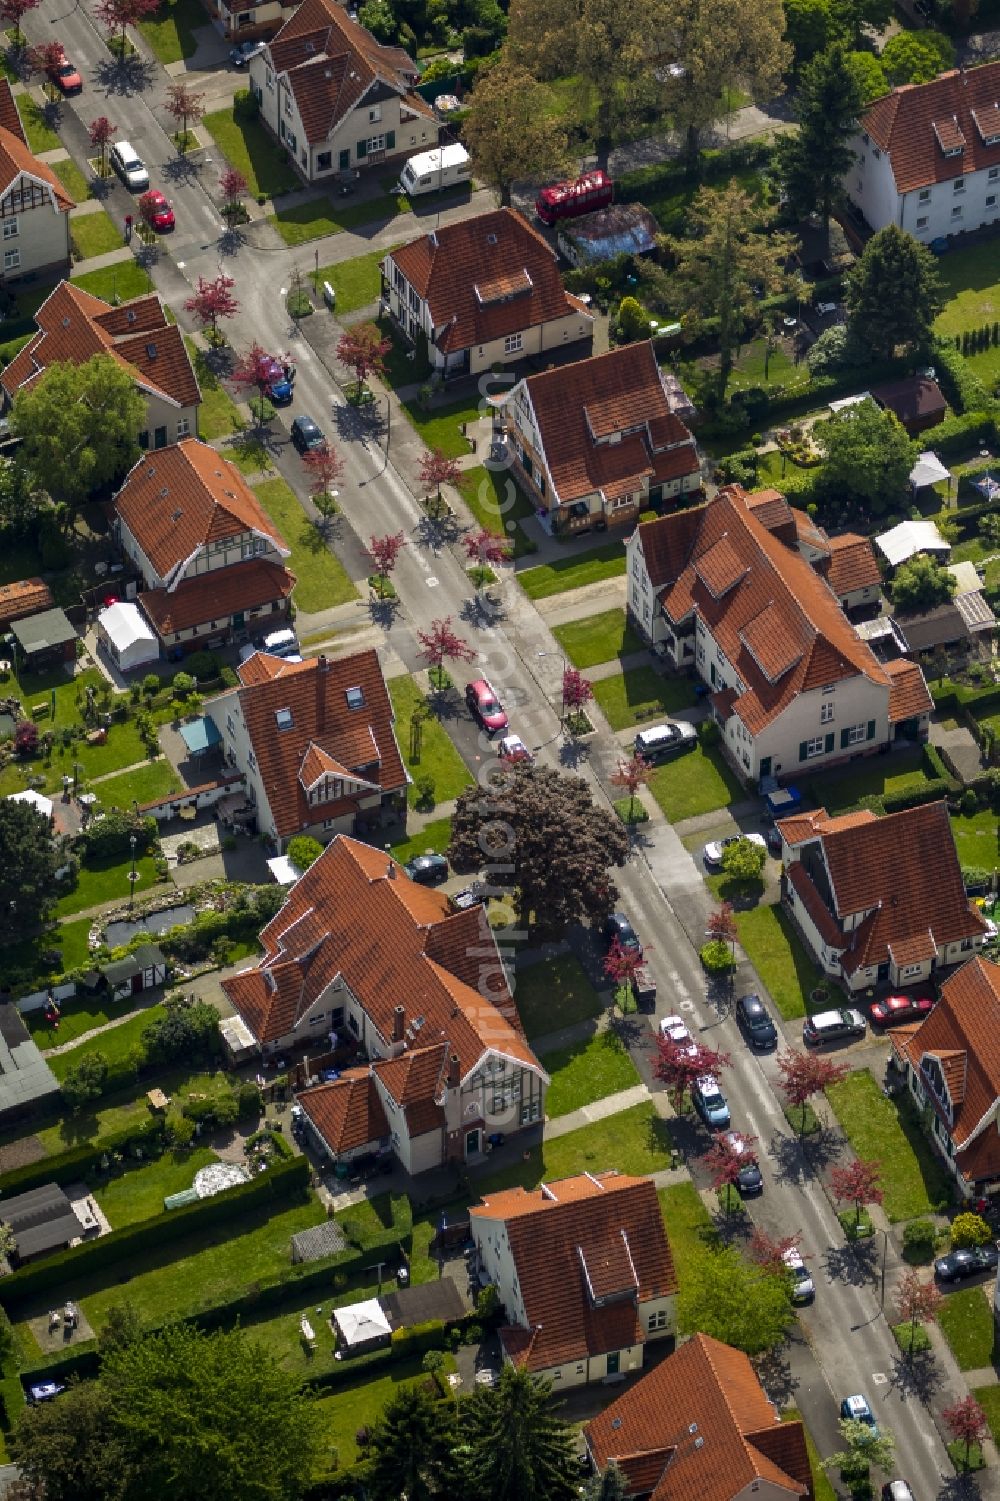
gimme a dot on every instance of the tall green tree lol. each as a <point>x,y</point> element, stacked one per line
<point>736,1302</point>
<point>508,130</point>
<point>868,456</point>
<point>411,1447</point>
<point>28,863</point>
<point>893,293</point>
<point>513,1447</point>
<point>722,261</point>
<point>79,426</point>
<point>607,1487</point>
<point>921,584</point>
<point>917,56</point>
<point>74,1449</point>
<point>813,161</point>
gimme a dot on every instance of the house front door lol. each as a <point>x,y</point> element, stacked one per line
<point>613,1363</point>
<point>472,1143</point>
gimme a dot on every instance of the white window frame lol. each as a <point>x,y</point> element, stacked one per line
<point>11,260</point>
<point>857,734</point>
<point>11,228</point>
<point>375,143</point>
<point>956,212</point>
<point>958,186</point>
<point>183,427</point>
<point>922,222</point>
<point>826,713</point>
<point>814,747</point>
<point>993,174</point>
<point>513,343</point>
<point>924,196</point>
<point>374,114</point>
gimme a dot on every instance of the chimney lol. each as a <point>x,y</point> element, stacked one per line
<point>398,1022</point>
<point>454,1076</point>
<point>324,665</point>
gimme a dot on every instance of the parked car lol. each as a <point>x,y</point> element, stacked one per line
<point>844,1025</point>
<point>895,1010</point>
<point>485,706</point>
<point>751,1179</point>
<point>157,211</point>
<point>241,54</point>
<point>513,748</point>
<point>618,926</point>
<point>279,384</point>
<point>661,741</point>
<point>66,76</point>
<point>129,165</point>
<point>858,1410</point>
<point>754,1022</point>
<point>307,435</point>
<point>713,852</point>
<point>968,1262</point>
<point>710,1103</point>
<point>803,1287</point>
<point>427,870</point>
<point>644,991</point>
<point>897,1490</point>
<point>674,1028</point>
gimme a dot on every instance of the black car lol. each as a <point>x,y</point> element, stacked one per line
<point>307,435</point>
<point>751,1179</point>
<point>618,926</point>
<point>754,1022</point>
<point>427,870</point>
<point>958,1265</point>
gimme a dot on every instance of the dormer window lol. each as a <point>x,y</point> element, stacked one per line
<point>283,719</point>
<point>355,698</point>
<point>950,136</point>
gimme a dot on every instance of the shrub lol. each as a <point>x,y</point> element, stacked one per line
<point>739,468</point>
<point>970,802</point>
<point>109,835</point>
<point>969,1230</point>
<point>179,1129</point>
<point>709,733</point>
<point>425,786</point>
<point>85,1081</point>
<point>187,1030</point>
<point>151,684</point>
<point>433,1361</point>
<point>633,320</point>
<point>203,665</point>
<point>303,851</point>
<point>962,387</point>
<point>919,1237</point>
<point>716,957</point>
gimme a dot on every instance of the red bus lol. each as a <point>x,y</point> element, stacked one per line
<point>567,200</point>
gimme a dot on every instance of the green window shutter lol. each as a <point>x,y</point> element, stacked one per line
<point>390,140</point>
<point>345,161</point>
<point>802,750</point>
<point>829,744</point>
<point>871,730</point>
<point>362,149</point>
<point>843,739</point>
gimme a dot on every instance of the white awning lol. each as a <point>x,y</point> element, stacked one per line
<point>282,869</point>
<point>909,538</point>
<point>361,1323</point>
<point>43,804</point>
<point>845,402</point>
<point>928,470</point>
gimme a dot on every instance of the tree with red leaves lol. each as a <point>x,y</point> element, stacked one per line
<point>966,1422</point>
<point>256,369</point>
<point>859,1183</point>
<point>804,1075</point>
<point>384,553</point>
<point>363,350</point>
<point>234,188</point>
<point>184,105</point>
<point>916,1301</point>
<point>439,645</point>
<point>325,470</point>
<point>725,1160</point>
<point>213,300</point>
<point>25,739</point>
<point>484,549</point>
<point>102,132</point>
<point>436,469</point>
<point>769,1250</point>
<point>576,692</point>
<point>13,13</point>
<point>630,775</point>
<point>46,58</point>
<point>118,15</point>
<point>621,965</point>
<point>680,1064</point>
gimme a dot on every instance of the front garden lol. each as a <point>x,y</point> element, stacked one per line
<point>553,994</point>
<point>322,580</point>
<point>776,952</point>
<point>437,771</point>
<point>695,782</point>
<point>641,694</point>
<point>597,638</point>
<point>888,1130</point>
<point>585,1071</point>
<point>247,146</point>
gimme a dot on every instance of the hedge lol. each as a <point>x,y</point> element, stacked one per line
<point>415,1338</point>
<point>281,1180</point>
<point>79,1162</point>
<point>959,382</point>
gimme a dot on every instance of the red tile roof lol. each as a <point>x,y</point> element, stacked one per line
<point>177,501</point>
<point>574,1243</point>
<point>666,548</point>
<point>917,123</point>
<point>486,277</point>
<point>909,694</point>
<point>27,597</point>
<point>415,1080</point>
<point>74,326</point>
<point>620,392</point>
<point>315,694</point>
<point>852,564</point>
<point>816,909</point>
<point>245,586</point>
<point>9,117</point>
<point>773,511</point>
<point>348,1112</point>
<point>16,157</point>
<point>742,1439</point>
<point>349,916</point>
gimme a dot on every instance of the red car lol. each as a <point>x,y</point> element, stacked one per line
<point>65,76</point>
<point>156,210</point>
<point>896,1010</point>
<point>485,705</point>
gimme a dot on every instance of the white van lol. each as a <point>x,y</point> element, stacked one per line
<point>430,171</point>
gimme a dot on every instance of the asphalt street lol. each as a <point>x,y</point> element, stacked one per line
<point>661,888</point>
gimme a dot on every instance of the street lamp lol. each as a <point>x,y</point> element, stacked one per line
<point>132,873</point>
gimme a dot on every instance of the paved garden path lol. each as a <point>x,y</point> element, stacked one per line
<point>153,998</point>
<point>598,1110</point>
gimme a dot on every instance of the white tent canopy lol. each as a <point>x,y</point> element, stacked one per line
<point>283,871</point>
<point>909,538</point>
<point>928,470</point>
<point>127,635</point>
<point>37,801</point>
<point>844,403</point>
<point>362,1323</point>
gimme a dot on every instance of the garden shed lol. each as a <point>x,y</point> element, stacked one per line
<point>42,1220</point>
<point>127,637</point>
<point>141,970</point>
<point>45,638</point>
<point>916,400</point>
<point>361,1326</point>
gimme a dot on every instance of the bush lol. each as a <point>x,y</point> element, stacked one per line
<point>739,468</point>
<point>179,1129</point>
<point>716,957</point>
<point>186,1031</point>
<point>969,1230</point>
<point>413,1339</point>
<point>86,1081</point>
<point>962,387</point>
<point>969,803</point>
<point>919,1238</point>
<point>304,851</point>
<point>709,733</point>
<point>108,836</point>
<point>426,786</point>
<point>633,320</point>
<point>203,665</point>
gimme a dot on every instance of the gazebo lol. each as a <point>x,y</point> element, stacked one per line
<point>362,1326</point>
<point>929,470</point>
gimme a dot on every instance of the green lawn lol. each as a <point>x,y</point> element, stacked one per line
<point>116,1043</point>
<point>321,216</point>
<point>597,638</point>
<point>438,757</point>
<point>357,282</point>
<point>988,1398</point>
<point>106,882</point>
<point>498,505</point>
<point>636,1141</point>
<point>606,561</point>
<point>69,939</point>
<point>138,1194</point>
<point>123,747</point>
<point>127,1108</point>
<point>971,281</point>
<point>247,146</point>
<point>218,415</point>
<point>839,791</point>
<point>966,1321</point>
<point>123,280</point>
<point>587,1071</point>
<point>143,785</point>
<point>72,179</point>
<point>693,783</point>
<point>439,427</point>
<point>79,1014</point>
<point>640,694</point>
<point>94,234</point>
<point>433,838</point>
<point>171,32</point>
<point>322,578</point>
<point>976,838</point>
<point>41,137</point>
<point>781,371</point>
<point>347,1409</point>
<point>688,1224</point>
<point>913,1180</point>
<point>776,953</point>
<point>553,994</point>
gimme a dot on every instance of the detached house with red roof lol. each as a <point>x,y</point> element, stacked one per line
<point>700,1427</point>
<point>483,292</point>
<point>73,326</point>
<point>879,900</point>
<point>736,590</point>
<point>335,97</point>
<point>952,1065</point>
<point>314,742</point>
<point>34,205</point>
<point>597,442</point>
<point>211,560</point>
<point>360,950</point>
<point>927,155</point>
<point>584,1271</point>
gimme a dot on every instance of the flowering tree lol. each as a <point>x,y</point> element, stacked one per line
<point>256,369</point>
<point>483,549</point>
<point>769,1250</point>
<point>384,553</point>
<point>213,300</point>
<point>804,1075</point>
<point>234,188</point>
<point>621,965</point>
<point>680,1064</point>
<point>725,1160</point>
<point>576,691</point>
<point>46,57</point>
<point>436,469</point>
<point>630,775</point>
<point>25,739</point>
<point>325,469</point>
<point>13,13</point>
<point>118,15</point>
<point>916,1301</point>
<point>857,1184</point>
<point>967,1423</point>
<point>439,645</point>
<point>102,132</point>
<point>363,350</point>
<point>184,105</point>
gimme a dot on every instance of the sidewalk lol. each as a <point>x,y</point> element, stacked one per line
<point>598,1110</point>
